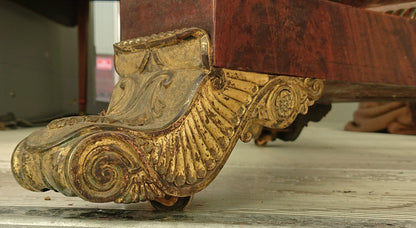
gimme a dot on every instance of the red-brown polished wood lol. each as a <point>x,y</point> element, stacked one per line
<point>306,38</point>
<point>83,17</point>
<point>370,3</point>
<point>146,17</point>
<point>318,39</point>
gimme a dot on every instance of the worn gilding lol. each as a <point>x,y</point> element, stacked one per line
<point>172,123</point>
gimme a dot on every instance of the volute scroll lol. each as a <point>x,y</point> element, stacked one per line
<point>172,123</point>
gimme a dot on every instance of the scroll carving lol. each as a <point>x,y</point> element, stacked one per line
<point>140,151</point>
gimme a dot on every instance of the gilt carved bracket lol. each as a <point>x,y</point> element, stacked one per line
<point>172,123</point>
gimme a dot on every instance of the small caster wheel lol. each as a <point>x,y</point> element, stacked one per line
<point>171,203</point>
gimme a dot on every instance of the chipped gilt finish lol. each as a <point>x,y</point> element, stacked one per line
<point>172,122</point>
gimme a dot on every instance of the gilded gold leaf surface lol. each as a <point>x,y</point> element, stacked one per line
<point>171,125</point>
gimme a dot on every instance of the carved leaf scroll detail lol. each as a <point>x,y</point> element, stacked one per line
<point>110,158</point>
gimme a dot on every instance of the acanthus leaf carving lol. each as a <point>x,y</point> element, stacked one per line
<point>124,157</point>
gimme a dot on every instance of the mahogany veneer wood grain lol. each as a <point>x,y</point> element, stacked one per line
<point>146,17</point>
<point>369,3</point>
<point>307,38</point>
<point>317,39</point>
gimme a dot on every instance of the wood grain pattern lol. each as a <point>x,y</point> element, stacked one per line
<point>327,178</point>
<point>318,39</point>
<point>371,3</point>
<point>342,91</point>
<point>146,17</point>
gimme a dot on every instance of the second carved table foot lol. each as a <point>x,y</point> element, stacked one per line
<point>172,123</point>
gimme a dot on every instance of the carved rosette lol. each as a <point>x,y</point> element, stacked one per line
<point>171,125</point>
<point>285,98</point>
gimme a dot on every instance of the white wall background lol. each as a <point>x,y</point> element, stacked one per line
<point>106,26</point>
<point>340,114</point>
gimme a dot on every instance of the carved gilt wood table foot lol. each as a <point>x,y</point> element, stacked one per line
<point>183,102</point>
<point>172,123</point>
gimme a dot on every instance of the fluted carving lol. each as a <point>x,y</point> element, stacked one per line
<point>143,149</point>
<point>405,12</point>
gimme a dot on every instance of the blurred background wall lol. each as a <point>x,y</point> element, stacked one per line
<point>38,64</point>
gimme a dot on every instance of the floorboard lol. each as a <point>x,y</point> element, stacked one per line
<point>327,178</point>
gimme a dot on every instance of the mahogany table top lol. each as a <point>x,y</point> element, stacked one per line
<point>307,38</point>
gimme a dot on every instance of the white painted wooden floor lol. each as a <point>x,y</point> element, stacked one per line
<point>327,178</point>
